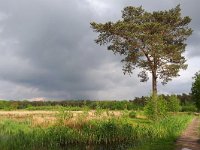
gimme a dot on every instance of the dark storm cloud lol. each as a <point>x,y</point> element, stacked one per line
<point>54,47</point>
<point>191,8</point>
<point>47,49</point>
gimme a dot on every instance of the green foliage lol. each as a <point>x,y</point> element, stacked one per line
<point>173,104</point>
<point>151,41</point>
<point>78,105</point>
<point>54,108</point>
<point>133,114</point>
<point>8,105</point>
<point>189,108</point>
<point>156,108</point>
<point>98,110</point>
<point>196,90</point>
<point>167,129</point>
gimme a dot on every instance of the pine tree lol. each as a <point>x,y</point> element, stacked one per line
<point>151,41</point>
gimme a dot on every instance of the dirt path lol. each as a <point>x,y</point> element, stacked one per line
<point>189,140</point>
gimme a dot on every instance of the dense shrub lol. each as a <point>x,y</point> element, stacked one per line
<point>133,114</point>
<point>173,104</point>
<point>189,108</point>
<point>156,108</point>
<point>196,90</point>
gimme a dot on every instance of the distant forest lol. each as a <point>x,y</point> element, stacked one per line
<point>135,104</point>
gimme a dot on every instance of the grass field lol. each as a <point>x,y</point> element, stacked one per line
<point>88,129</point>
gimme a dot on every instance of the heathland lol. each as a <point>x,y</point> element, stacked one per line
<point>93,124</point>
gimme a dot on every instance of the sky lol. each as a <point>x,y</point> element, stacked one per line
<point>47,50</point>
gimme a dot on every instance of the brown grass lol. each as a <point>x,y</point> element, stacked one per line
<point>48,118</point>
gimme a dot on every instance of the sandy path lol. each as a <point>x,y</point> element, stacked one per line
<point>189,140</point>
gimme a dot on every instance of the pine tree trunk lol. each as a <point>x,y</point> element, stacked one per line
<point>154,83</point>
<point>154,93</point>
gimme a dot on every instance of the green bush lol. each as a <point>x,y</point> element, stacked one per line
<point>189,108</point>
<point>173,104</point>
<point>196,90</point>
<point>156,108</point>
<point>132,114</point>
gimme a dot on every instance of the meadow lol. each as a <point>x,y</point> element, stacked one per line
<point>89,129</point>
<point>139,124</point>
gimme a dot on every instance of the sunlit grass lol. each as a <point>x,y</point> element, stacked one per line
<point>103,128</point>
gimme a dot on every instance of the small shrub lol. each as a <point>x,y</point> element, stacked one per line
<point>64,115</point>
<point>173,104</point>
<point>132,114</point>
<point>189,108</point>
<point>190,113</point>
<point>156,108</point>
<point>98,110</point>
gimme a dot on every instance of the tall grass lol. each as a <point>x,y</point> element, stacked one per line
<point>163,134</point>
<point>131,132</point>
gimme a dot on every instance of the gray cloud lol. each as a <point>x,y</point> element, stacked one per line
<point>47,49</point>
<point>190,8</point>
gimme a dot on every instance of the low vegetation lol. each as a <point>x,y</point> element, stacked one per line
<point>141,124</point>
<point>63,129</point>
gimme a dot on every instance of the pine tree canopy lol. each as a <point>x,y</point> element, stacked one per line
<point>151,41</point>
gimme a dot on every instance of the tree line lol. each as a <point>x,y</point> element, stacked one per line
<point>135,104</point>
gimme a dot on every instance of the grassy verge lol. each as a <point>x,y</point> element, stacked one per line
<point>163,134</point>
